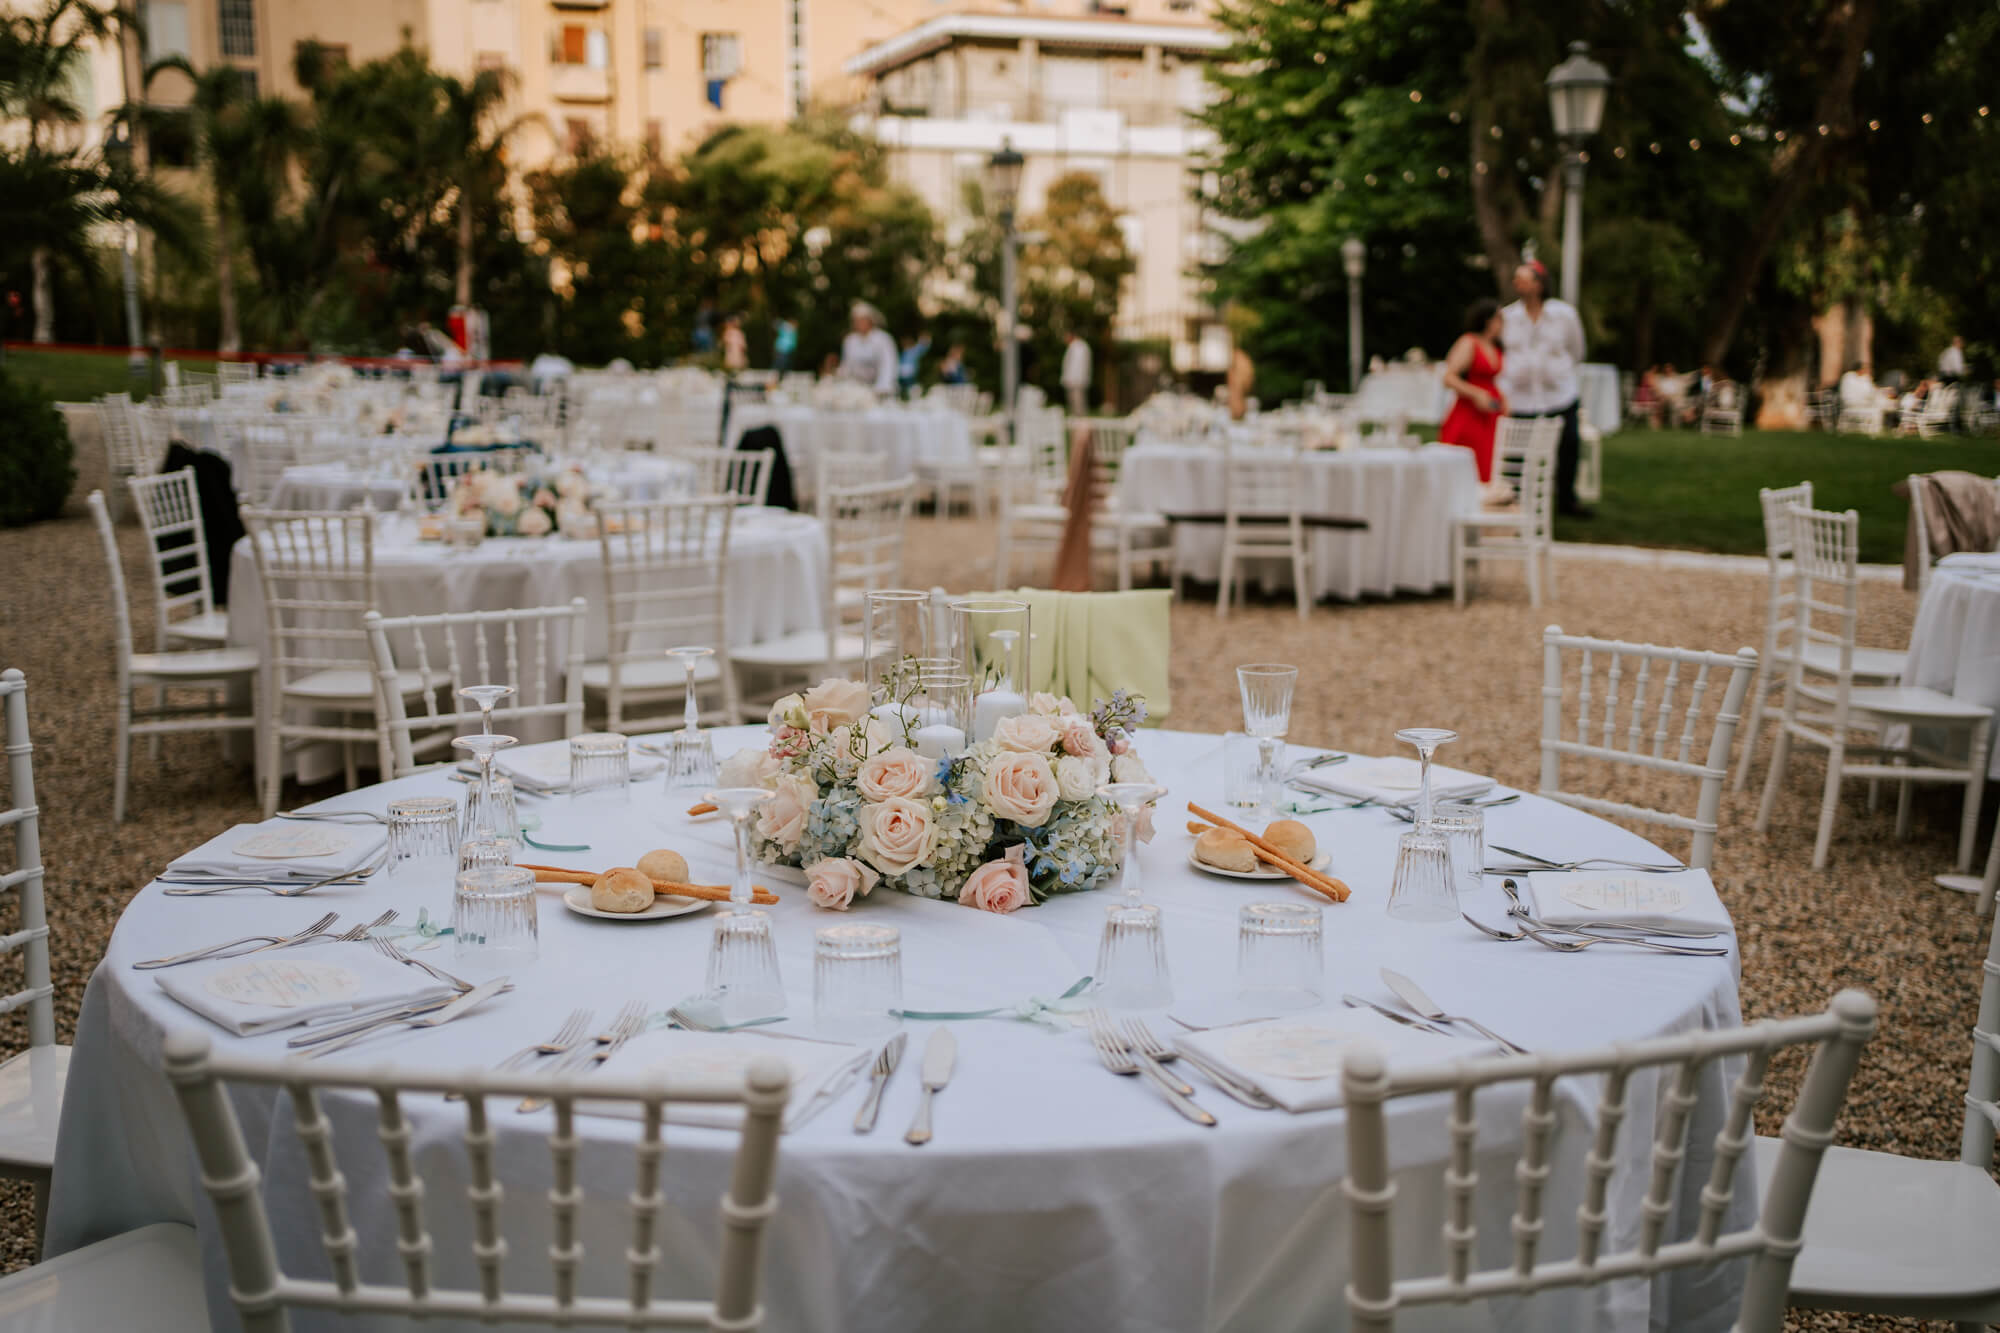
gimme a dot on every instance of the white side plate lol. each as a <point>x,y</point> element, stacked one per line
<point>577,899</point>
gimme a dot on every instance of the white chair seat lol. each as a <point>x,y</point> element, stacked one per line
<point>1512,520</point>
<point>344,684</point>
<point>1891,1229</point>
<point>31,1094</point>
<point>208,627</point>
<point>149,1278</point>
<point>1869,663</point>
<point>649,674</point>
<point>1041,513</point>
<point>1912,701</point>
<point>196,664</point>
<point>801,648</point>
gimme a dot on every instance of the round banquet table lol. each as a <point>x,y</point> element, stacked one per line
<point>1053,1192</point>
<point>1955,644</point>
<point>1408,496</point>
<point>908,436</point>
<point>777,586</point>
<point>1417,393</point>
<point>334,486</point>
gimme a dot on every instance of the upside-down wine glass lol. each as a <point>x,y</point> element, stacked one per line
<point>743,960</point>
<point>1422,889</point>
<point>1266,688</point>
<point>482,748</point>
<point>485,696</point>
<point>1132,955</point>
<point>691,760</point>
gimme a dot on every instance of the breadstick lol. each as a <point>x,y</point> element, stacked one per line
<point>718,893</point>
<point>1305,875</point>
<point>705,808</point>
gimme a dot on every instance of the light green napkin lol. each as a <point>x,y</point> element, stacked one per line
<point>1088,644</point>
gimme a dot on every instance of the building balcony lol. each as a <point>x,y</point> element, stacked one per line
<point>580,4</point>
<point>579,83</point>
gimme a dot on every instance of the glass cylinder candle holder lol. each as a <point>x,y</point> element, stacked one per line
<point>993,638</point>
<point>944,712</point>
<point>896,626</point>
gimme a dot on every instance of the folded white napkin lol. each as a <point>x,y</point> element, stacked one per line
<point>1391,780</point>
<point>1296,1061</point>
<point>283,988</point>
<point>545,767</point>
<point>816,1067</point>
<point>281,850</point>
<point>1681,899</point>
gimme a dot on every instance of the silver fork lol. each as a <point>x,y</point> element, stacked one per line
<point>389,949</point>
<point>569,1034</point>
<point>624,1025</point>
<point>1150,1050</point>
<point>354,934</point>
<point>271,942</point>
<point>336,816</point>
<point>345,876</point>
<point>1141,1036</point>
<point>1112,1054</point>
<point>1650,866</point>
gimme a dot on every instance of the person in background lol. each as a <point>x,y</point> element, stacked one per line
<point>951,370</point>
<point>1951,370</point>
<point>1544,339</point>
<point>868,354</point>
<point>1471,369</point>
<point>783,343</point>
<point>1242,383</point>
<point>911,363</point>
<point>1646,398</point>
<point>735,347</point>
<point>704,327</point>
<point>1076,374</point>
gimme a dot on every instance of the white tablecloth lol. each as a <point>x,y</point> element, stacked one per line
<point>333,486</point>
<point>908,436</point>
<point>1417,393</point>
<point>1054,1197</point>
<point>1955,644</point>
<point>1408,496</point>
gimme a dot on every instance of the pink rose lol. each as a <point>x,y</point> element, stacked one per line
<point>749,768</point>
<point>1029,733</point>
<point>1079,735</point>
<point>899,771</point>
<point>835,703</point>
<point>535,523</point>
<point>1021,787</point>
<point>835,883</point>
<point>782,819</point>
<point>999,886</point>
<point>896,834</point>
<point>1050,705</point>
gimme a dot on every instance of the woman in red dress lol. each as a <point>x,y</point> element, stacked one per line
<point>1470,371</point>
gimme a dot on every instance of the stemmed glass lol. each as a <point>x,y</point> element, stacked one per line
<point>482,748</point>
<point>485,696</point>
<point>1422,889</point>
<point>743,960</point>
<point>691,761</point>
<point>1267,714</point>
<point>1132,955</point>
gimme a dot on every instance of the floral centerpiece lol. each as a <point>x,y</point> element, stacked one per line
<point>523,504</point>
<point>1009,822</point>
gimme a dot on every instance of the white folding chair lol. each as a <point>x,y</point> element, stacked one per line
<point>1524,452</point>
<point>316,572</point>
<point>1262,517</point>
<point>214,671</point>
<point>126,453</point>
<point>496,1189</point>
<point>866,528</point>
<point>266,448</point>
<point>169,508</point>
<point>744,475</point>
<point>1824,705</point>
<point>666,585</point>
<point>840,469</point>
<point>1778,609</point>
<point>538,650</point>
<point>1722,409</point>
<point>151,1276</point>
<point>236,372</point>
<point>1375,1295</point>
<point>1658,733</point>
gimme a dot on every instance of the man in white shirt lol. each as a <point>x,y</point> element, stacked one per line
<point>868,354</point>
<point>1543,346</point>
<point>1076,375</point>
<point>1951,362</point>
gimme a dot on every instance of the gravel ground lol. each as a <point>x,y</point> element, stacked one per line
<point>1871,919</point>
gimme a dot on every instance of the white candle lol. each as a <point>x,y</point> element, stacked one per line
<point>900,717</point>
<point>939,740</point>
<point>991,708</point>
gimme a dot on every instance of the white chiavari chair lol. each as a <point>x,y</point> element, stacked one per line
<point>31,1081</point>
<point>839,469</point>
<point>1524,453</point>
<point>496,1189</point>
<point>666,585</point>
<point>169,506</point>
<point>1675,1064</point>
<point>538,650</point>
<point>1904,1236</point>
<point>214,671</point>
<point>267,446</point>
<point>126,455</point>
<point>743,475</point>
<point>1665,696</point>
<point>866,528</point>
<point>1825,707</point>
<point>1262,518</point>
<point>316,575</point>
<point>1778,609</point>
<point>236,372</point>
<point>434,475</point>
<point>1722,409</point>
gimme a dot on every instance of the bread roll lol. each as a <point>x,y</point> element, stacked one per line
<point>1225,849</point>
<point>622,890</point>
<point>1293,839</point>
<point>660,863</point>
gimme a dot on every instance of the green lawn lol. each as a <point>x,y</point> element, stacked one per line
<point>79,377</point>
<point>1681,489</point>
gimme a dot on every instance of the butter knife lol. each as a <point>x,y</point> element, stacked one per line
<point>1356,1002</point>
<point>940,1057</point>
<point>455,1009</point>
<point>885,1065</point>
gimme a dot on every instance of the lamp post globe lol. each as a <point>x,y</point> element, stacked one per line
<point>1577,90</point>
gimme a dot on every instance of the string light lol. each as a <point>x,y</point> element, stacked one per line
<point>1927,117</point>
<point>1822,131</point>
<point>1656,148</point>
<point>1619,152</point>
<point>1416,96</point>
<point>1479,167</point>
<point>1455,117</point>
<point>1780,136</point>
<point>1695,144</point>
<point>1493,130</point>
<point>1409,178</point>
<point>1984,110</point>
<point>1370,178</point>
<point>1444,173</point>
<point>1319,57</point>
<point>1874,125</point>
<point>1735,141</point>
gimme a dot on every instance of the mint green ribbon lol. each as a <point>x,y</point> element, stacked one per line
<point>1037,1009</point>
<point>422,928</point>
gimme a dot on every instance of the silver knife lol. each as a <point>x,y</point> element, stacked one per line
<point>477,995</point>
<point>1356,1002</point>
<point>940,1056</point>
<point>328,1029</point>
<point>885,1065</point>
<point>1410,993</point>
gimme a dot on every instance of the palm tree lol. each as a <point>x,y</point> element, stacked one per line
<point>468,142</point>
